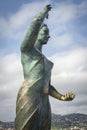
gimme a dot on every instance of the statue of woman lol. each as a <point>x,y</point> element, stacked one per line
<point>32,106</point>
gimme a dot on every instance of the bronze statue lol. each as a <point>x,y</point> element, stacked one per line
<point>32,107</point>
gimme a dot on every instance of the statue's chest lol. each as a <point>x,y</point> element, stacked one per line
<point>36,60</point>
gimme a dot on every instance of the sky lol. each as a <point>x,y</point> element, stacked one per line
<point>66,48</point>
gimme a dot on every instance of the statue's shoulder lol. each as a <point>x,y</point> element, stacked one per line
<point>33,54</point>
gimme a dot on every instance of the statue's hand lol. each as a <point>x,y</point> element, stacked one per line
<point>68,97</point>
<point>48,7</point>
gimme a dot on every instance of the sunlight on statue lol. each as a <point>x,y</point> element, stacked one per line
<point>32,107</point>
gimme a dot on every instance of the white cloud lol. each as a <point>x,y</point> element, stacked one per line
<point>10,80</point>
<point>61,40</point>
<point>70,61</point>
<point>14,26</point>
<point>62,26</point>
<point>65,12</point>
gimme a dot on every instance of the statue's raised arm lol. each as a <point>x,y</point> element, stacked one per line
<point>32,32</point>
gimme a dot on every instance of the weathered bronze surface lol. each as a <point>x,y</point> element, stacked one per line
<point>32,106</point>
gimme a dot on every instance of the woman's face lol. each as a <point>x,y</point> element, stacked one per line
<point>43,35</point>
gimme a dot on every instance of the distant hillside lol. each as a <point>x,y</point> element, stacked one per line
<point>59,121</point>
<point>70,120</point>
<point>6,124</point>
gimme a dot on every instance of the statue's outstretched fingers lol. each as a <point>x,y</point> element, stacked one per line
<point>48,7</point>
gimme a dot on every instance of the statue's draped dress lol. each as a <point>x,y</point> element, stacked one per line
<point>33,108</point>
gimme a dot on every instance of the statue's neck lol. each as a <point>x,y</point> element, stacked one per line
<point>38,45</point>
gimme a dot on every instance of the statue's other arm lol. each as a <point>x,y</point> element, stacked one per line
<point>54,93</point>
<point>32,32</point>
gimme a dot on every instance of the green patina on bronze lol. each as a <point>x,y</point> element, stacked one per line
<point>32,106</point>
